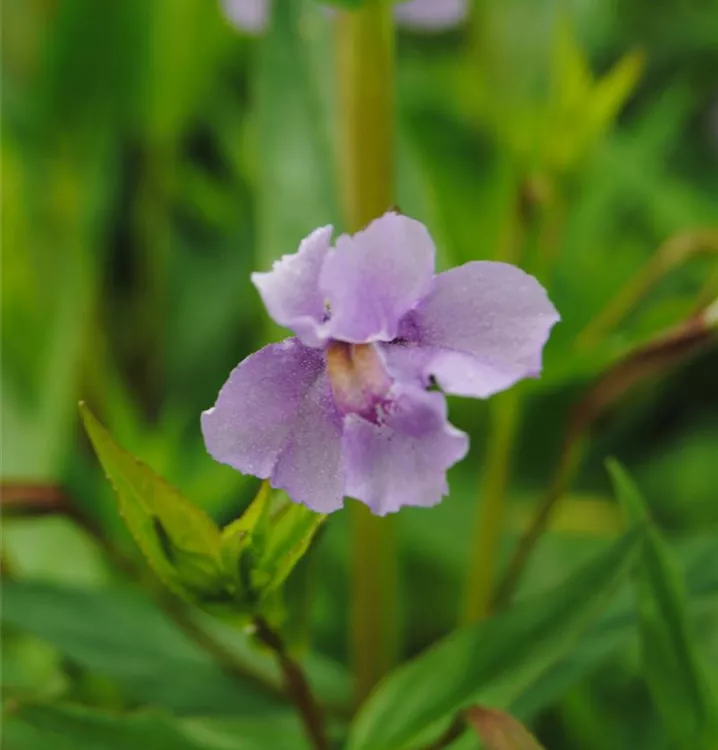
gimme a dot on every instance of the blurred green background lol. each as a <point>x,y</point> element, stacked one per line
<point>153,156</point>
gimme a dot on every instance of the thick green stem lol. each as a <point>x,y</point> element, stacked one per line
<point>503,413</point>
<point>365,63</point>
<point>365,49</point>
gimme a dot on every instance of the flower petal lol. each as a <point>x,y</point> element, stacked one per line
<point>375,276</point>
<point>310,465</point>
<point>404,460</point>
<point>251,16</point>
<point>431,15</point>
<point>290,291</point>
<point>481,328</point>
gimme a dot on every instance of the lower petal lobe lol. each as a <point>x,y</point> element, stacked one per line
<point>274,418</point>
<point>402,460</point>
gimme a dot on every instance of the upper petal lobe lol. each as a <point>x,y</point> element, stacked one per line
<point>374,277</point>
<point>404,459</point>
<point>290,291</point>
<point>481,328</point>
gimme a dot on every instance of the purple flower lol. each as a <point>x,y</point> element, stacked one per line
<point>252,16</point>
<point>431,15</point>
<point>343,408</point>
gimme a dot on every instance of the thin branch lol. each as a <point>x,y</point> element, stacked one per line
<point>644,362</point>
<point>33,500</point>
<point>675,251</point>
<point>296,684</point>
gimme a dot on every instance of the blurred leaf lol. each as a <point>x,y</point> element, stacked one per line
<point>88,81</point>
<point>348,3</point>
<point>295,188</point>
<point>282,732</point>
<point>581,109</point>
<point>173,83</point>
<point>77,728</point>
<point>500,731</point>
<point>490,663</point>
<point>670,659</point>
<point>31,668</point>
<point>611,92</point>
<point>615,630</point>
<point>68,727</point>
<point>180,542</point>
<point>37,548</point>
<point>50,276</point>
<point>123,636</point>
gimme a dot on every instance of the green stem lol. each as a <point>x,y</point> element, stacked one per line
<point>503,413</point>
<point>675,251</point>
<point>365,63</point>
<point>563,474</point>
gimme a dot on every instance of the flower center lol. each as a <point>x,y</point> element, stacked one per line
<point>358,379</point>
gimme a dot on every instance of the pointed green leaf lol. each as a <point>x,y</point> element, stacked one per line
<point>490,663</point>
<point>247,531</point>
<point>671,663</point>
<point>611,92</point>
<point>179,540</point>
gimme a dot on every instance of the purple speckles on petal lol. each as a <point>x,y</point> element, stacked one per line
<point>403,460</point>
<point>254,415</point>
<point>482,327</point>
<point>309,467</point>
<point>374,277</point>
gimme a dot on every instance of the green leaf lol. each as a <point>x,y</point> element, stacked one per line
<point>490,663</point>
<point>292,529</point>
<point>77,728</point>
<point>247,531</point>
<point>122,635</point>
<point>616,630</point>
<point>611,92</point>
<point>670,659</point>
<point>68,727</point>
<point>262,546</point>
<point>179,540</point>
<point>500,731</point>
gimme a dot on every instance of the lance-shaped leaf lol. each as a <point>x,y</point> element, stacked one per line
<point>180,541</point>
<point>500,731</point>
<point>670,659</point>
<point>490,663</point>
<point>244,539</point>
